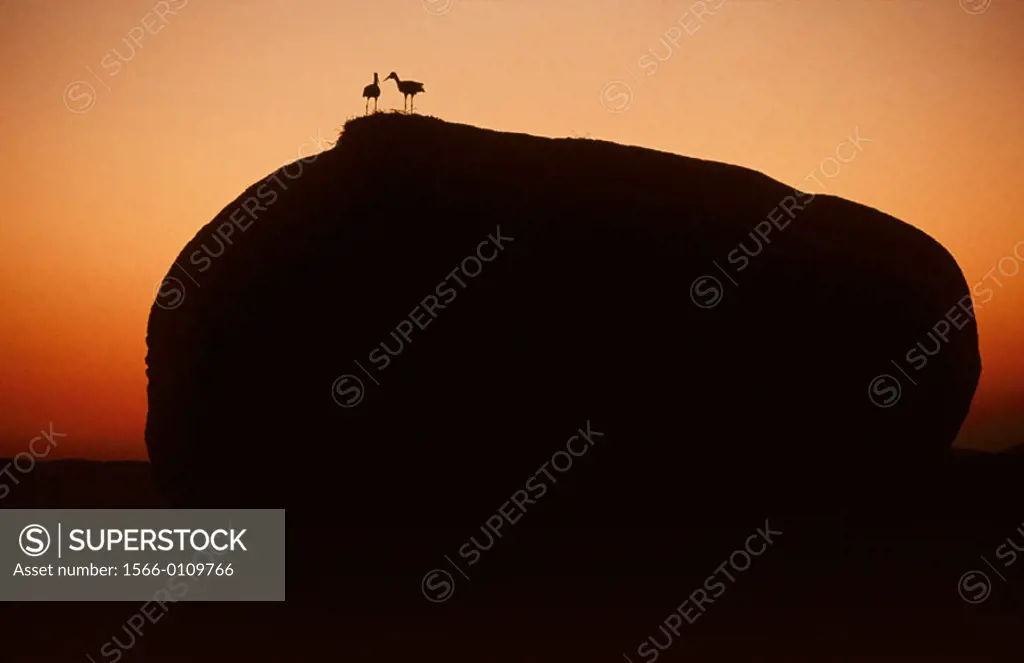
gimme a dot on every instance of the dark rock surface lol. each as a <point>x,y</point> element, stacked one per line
<point>590,303</point>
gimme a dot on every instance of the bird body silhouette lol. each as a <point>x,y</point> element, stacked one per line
<point>372,91</point>
<point>408,88</point>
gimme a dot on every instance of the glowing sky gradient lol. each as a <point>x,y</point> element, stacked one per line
<point>96,204</point>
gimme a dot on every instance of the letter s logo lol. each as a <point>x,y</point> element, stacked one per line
<point>34,540</point>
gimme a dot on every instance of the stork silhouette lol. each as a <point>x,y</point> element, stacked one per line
<point>372,91</point>
<point>408,88</point>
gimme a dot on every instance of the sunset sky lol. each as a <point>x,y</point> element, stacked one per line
<point>115,152</point>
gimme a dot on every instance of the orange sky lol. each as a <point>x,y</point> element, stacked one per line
<point>104,184</point>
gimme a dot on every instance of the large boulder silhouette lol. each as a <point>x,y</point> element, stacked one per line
<point>407,327</point>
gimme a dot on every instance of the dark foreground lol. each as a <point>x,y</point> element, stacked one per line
<point>879,580</point>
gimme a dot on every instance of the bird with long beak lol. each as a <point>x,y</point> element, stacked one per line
<point>372,91</point>
<point>408,88</point>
